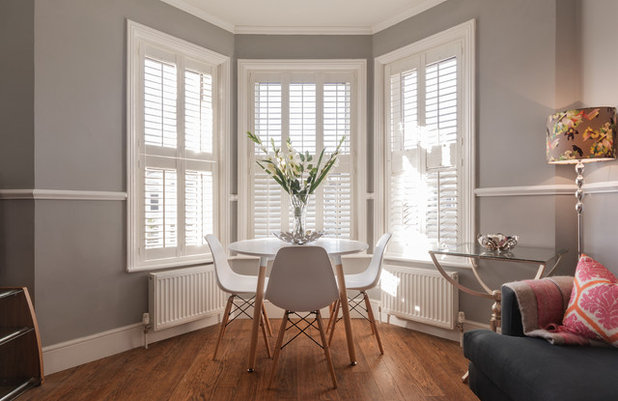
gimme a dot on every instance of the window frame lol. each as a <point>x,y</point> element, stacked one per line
<point>463,37</point>
<point>358,68</point>
<point>140,38</point>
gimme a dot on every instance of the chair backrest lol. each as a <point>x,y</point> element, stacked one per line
<point>302,279</point>
<point>223,271</point>
<point>375,266</point>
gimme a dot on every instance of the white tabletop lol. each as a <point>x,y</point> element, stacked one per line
<point>268,247</point>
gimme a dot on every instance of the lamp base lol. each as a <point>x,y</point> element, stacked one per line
<point>579,206</point>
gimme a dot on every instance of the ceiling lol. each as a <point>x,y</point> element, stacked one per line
<point>326,17</point>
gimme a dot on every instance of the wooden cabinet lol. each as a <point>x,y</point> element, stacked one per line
<point>21,363</point>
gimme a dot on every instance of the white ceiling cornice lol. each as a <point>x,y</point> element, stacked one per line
<point>303,30</point>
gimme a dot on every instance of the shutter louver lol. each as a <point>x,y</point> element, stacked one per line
<point>198,112</point>
<point>161,211</point>
<point>267,203</point>
<point>303,117</point>
<point>337,116</point>
<point>337,205</point>
<point>199,206</point>
<point>441,123</point>
<point>159,103</point>
<point>405,212</point>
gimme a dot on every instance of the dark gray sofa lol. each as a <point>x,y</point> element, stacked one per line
<point>512,367</point>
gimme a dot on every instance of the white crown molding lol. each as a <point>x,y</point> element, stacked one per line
<point>200,13</point>
<point>606,187</point>
<point>61,194</point>
<point>303,30</point>
<point>410,12</point>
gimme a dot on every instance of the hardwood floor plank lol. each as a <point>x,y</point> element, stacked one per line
<point>415,366</point>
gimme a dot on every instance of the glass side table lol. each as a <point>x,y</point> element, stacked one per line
<point>475,252</point>
<point>521,254</point>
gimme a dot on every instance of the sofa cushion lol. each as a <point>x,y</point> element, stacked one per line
<point>593,307</point>
<point>530,369</point>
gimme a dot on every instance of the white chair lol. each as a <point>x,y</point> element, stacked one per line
<point>362,282</point>
<point>239,286</point>
<point>302,280</point>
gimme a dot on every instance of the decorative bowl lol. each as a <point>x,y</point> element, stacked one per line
<point>497,242</point>
<point>290,238</point>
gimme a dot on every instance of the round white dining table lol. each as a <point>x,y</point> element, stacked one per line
<point>267,248</point>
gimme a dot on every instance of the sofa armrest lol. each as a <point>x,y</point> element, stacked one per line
<point>511,316</point>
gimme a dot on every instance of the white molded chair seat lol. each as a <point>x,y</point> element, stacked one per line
<point>366,280</point>
<point>302,280</point>
<point>238,285</point>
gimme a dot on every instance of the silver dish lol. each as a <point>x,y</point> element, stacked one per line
<point>290,238</point>
<point>497,242</point>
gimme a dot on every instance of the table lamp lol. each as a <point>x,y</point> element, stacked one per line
<point>581,136</point>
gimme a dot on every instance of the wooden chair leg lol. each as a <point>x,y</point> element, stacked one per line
<point>278,345</point>
<point>226,316</point>
<point>326,350</point>
<point>334,320</point>
<point>263,325</point>
<point>372,320</point>
<point>268,326</point>
<point>333,315</point>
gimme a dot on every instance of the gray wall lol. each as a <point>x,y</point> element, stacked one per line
<point>600,88</point>
<point>72,122</point>
<point>82,286</point>
<point>17,141</point>
<point>17,93</point>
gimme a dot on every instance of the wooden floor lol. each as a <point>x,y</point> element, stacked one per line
<point>415,366</point>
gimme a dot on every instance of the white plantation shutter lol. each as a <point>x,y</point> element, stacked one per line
<point>199,206</point>
<point>198,112</point>
<point>423,199</point>
<point>159,103</point>
<point>161,208</point>
<point>314,112</point>
<point>267,195</point>
<point>441,139</point>
<point>178,159</point>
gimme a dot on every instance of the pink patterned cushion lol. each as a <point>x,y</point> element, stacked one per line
<point>593,307</point>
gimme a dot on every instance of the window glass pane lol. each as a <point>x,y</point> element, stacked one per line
<point>198,112</point>
<point>159,103</point>
<point>160,209</point>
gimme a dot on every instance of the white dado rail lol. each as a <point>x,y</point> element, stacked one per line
<point>525,190</point>
<point>549,189</point>
<point>62,194</point>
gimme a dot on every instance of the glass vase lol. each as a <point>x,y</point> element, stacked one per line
<point>299,209</point>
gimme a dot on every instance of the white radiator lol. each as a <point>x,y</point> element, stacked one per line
<point>421,295</point>
<point>184,295</point>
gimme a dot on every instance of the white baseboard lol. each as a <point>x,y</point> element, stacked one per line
<point>76,352</point>
<point>82,350</point>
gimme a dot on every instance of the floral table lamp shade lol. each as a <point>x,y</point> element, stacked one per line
<point>581,135</point>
